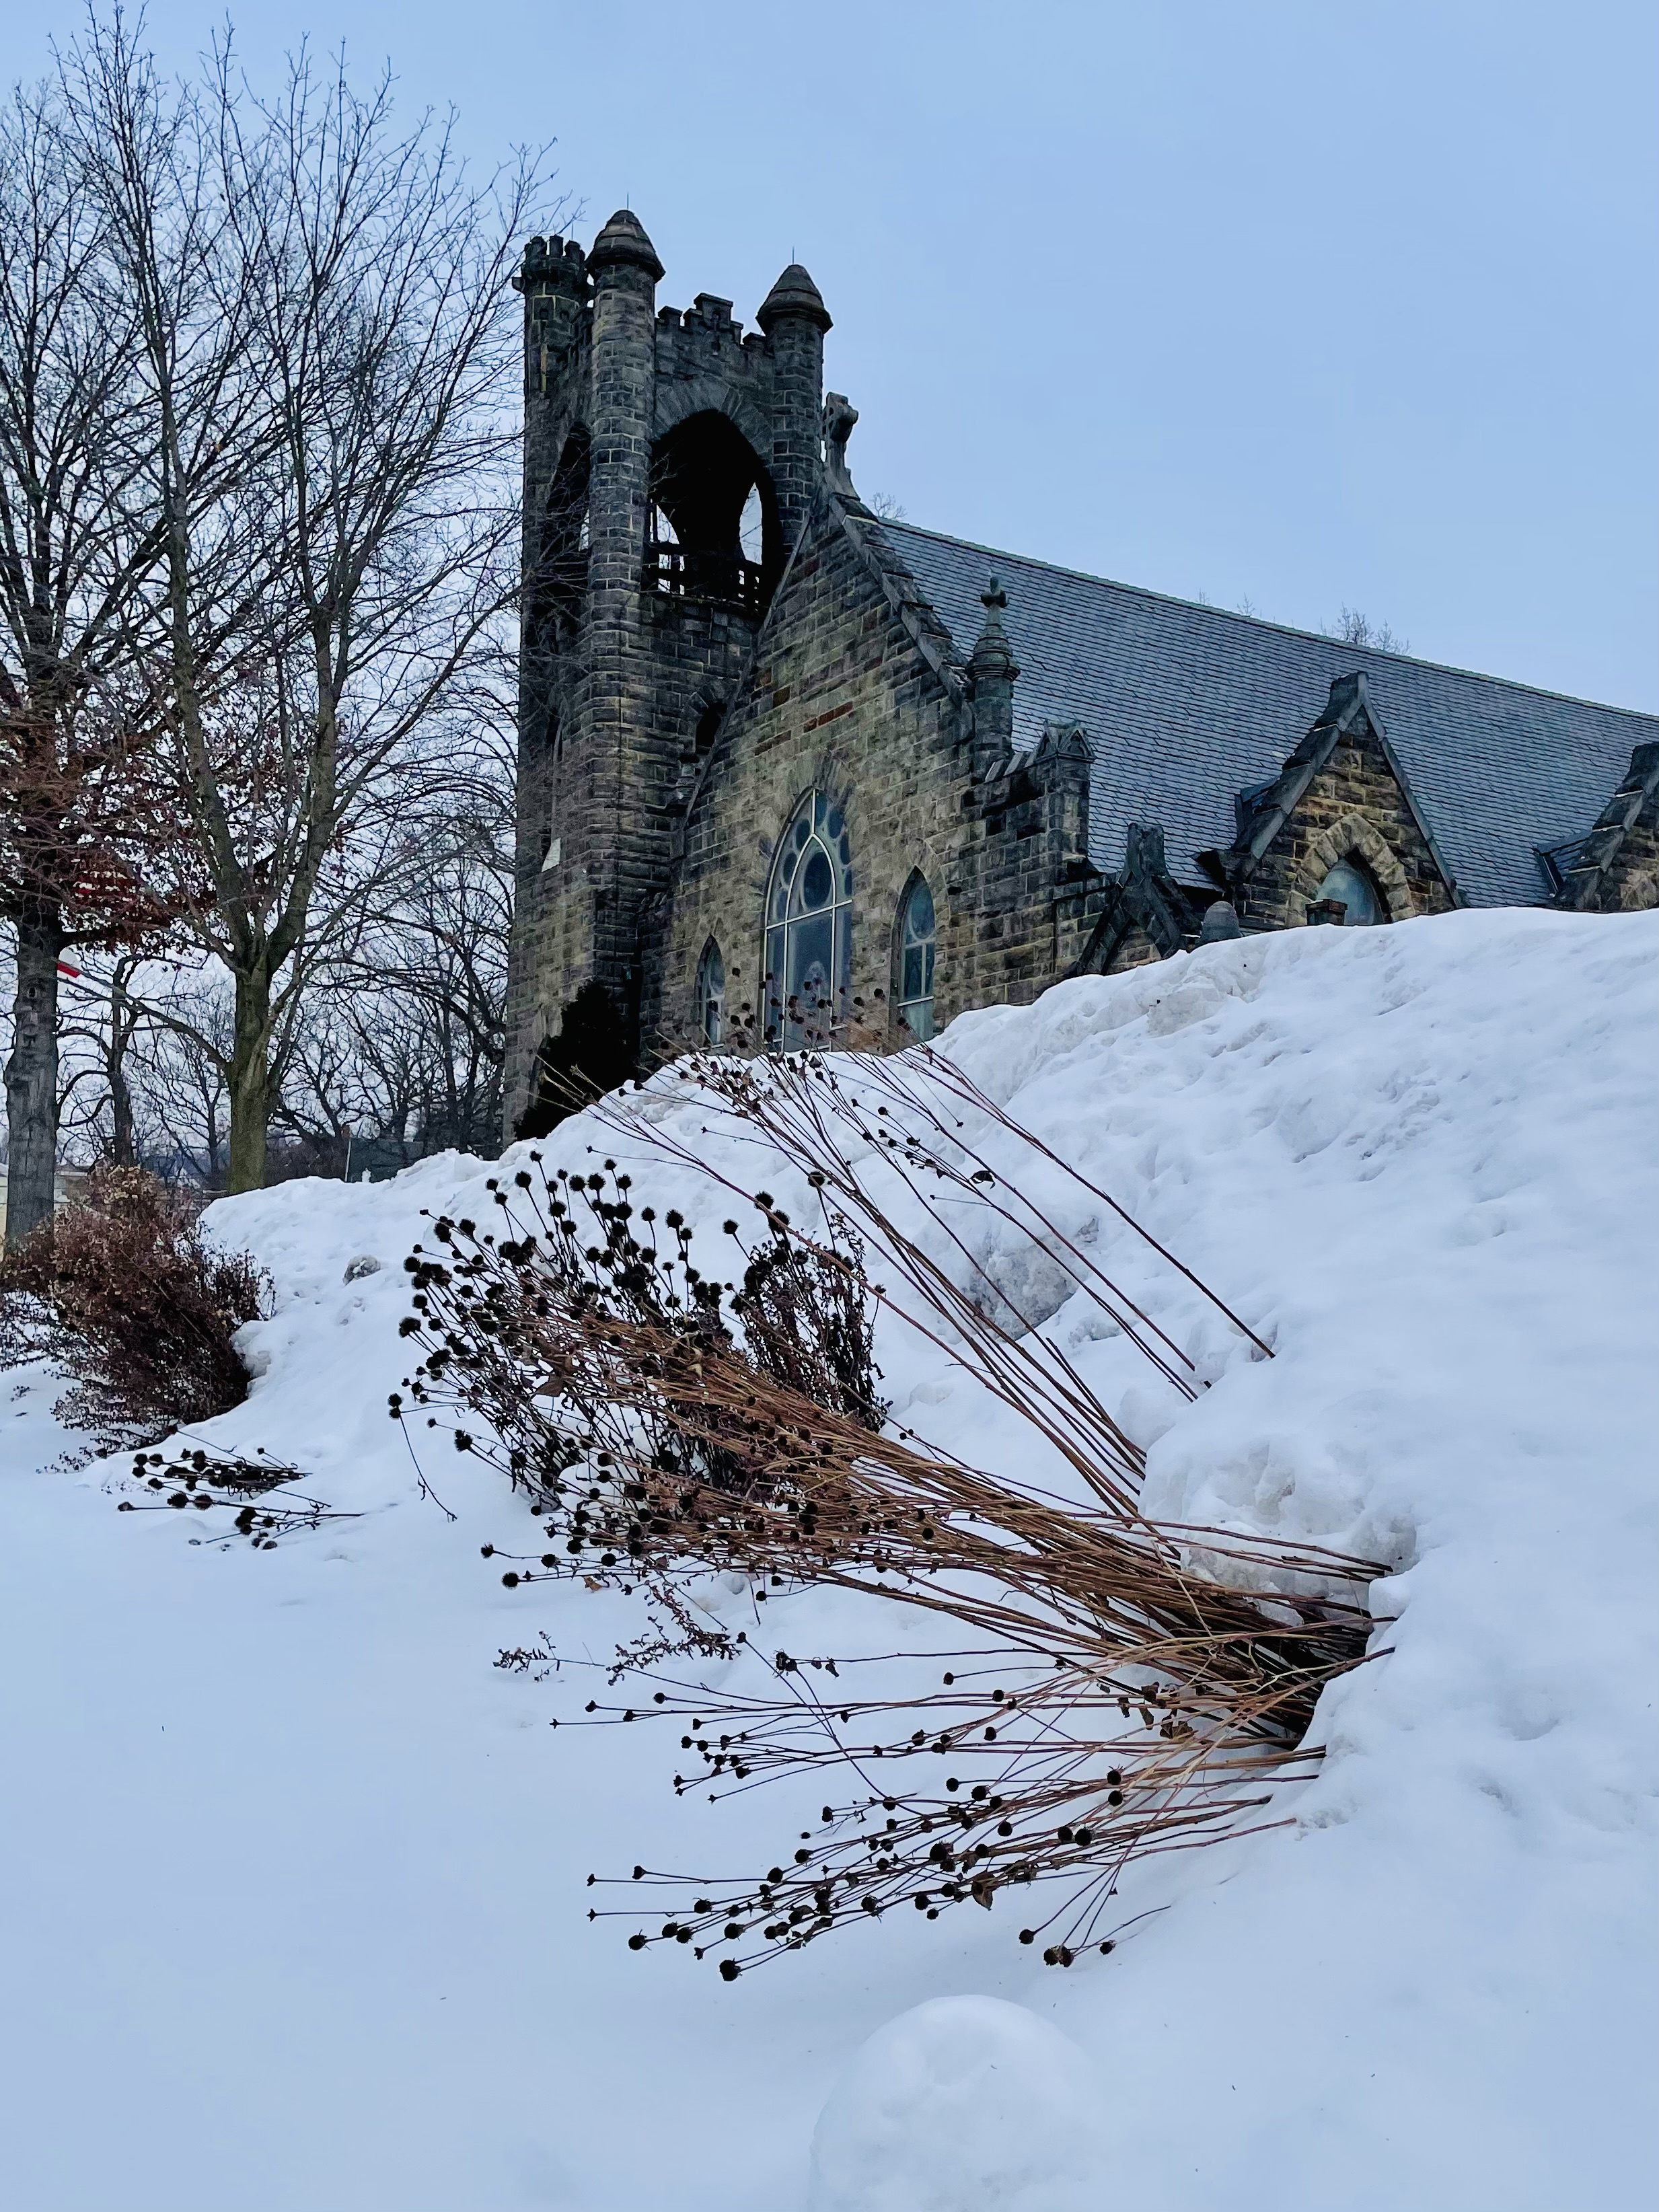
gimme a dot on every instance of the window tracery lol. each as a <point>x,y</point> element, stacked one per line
<point>807,958</point>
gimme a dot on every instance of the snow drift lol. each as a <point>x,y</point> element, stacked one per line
<point>294,1878</point>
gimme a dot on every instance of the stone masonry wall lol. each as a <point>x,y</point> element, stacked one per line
<point>1025,864</point>
<point>1631,883</point>
<point>839,699</point>
<point>842,698</point>
<point>1137,950</point>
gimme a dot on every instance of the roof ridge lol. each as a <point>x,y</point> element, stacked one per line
<point>1263,622</point>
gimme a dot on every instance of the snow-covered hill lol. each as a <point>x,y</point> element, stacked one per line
<point>292,1877</point>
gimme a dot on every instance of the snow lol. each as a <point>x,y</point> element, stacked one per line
<point>293,1877</point>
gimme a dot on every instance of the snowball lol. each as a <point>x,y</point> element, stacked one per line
<point>964,2105</point>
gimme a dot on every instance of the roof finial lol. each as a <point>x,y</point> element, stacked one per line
<point>839,417</point>
<point>991,670</point>
<point>992,658</point>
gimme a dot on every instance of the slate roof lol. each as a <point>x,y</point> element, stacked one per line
<point>1185,705</point>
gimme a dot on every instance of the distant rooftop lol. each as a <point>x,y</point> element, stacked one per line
<point>1184,705</point>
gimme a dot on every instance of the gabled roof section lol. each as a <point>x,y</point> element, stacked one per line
<point>1577,869</point>
<point>1185,706</point>
<point>1263,810</point>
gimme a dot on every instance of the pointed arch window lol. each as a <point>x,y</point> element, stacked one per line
<point>808,955</point>
<point>912,992</point>
<point>711,995</point>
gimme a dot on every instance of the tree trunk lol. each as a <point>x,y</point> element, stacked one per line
<point>32,1076</point>
<point>250,1082</point>
<point>124,1146</point>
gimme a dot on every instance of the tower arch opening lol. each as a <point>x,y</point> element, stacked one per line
<point>593,1053</point>
<point>715,527</point>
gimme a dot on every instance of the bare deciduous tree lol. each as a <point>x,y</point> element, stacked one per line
<point>281,480</point>
<point>257,531</point>
<point>387,519</point>
<point>1353,628</point>
<point>80,554</point>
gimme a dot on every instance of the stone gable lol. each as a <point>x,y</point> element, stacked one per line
<point>841,699</point>
<point>1354,807</point>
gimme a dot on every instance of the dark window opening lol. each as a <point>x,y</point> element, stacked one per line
<point>715,531</point>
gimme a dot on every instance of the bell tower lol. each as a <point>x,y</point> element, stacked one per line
<point>671,463</point>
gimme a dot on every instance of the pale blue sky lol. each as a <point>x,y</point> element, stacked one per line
<point>1300,302</point>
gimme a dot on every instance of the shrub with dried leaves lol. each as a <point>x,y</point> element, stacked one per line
<point>126,1296</point>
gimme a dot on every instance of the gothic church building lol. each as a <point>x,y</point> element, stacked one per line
<point>788,771</point>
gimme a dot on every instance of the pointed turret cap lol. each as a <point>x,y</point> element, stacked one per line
<point>794,293</point>
<point>622,242</point>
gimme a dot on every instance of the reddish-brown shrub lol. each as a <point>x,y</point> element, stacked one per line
<point>124,1294</point>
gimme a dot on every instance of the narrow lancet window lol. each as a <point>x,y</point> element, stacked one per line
<point>711,995</point>
<point>916,939</point>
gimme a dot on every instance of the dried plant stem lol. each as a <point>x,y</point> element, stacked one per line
<point>667,1424</point>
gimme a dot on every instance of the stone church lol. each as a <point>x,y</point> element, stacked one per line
<point>788,771</point>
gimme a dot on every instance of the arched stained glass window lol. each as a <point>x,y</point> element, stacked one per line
<point>914,997</point>
<point>808,955</point>
<point>711,994</point>
<point>1351,884</point>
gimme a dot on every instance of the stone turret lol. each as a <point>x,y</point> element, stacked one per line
<point>554,281</point>
<point>794,318</point>
<point>625,271</point>
<point>621,832</point>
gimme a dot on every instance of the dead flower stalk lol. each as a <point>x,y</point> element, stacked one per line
<point>1107,1697</point>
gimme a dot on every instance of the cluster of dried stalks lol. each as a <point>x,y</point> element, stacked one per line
<point>261,1495</point>
<point>1106,1695</point>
